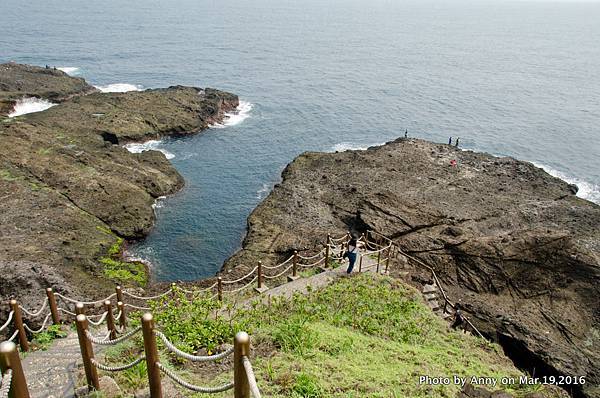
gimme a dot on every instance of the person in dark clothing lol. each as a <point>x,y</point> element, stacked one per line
<point>450,141</point>
<point>459,319</point>
<point>457,138</point>
<point>406,133</point>
<point>352,254</point>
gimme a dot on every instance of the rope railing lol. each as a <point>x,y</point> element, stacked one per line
<point>10,317</point>
<point>73,301</point>
<point>193,387</point>
<point>251,378</point>
<point>11,338</point>
<point>35,314</point>
<point>239,289</point>
<point>279,274</point>
<point>194,358</point>
<point>5,384</point>
<point>98,341</point>
<point>242,278</point>
<point>36,331</point>
<point>146,298</point>
<point>118,368</point>
<point>280,264</point>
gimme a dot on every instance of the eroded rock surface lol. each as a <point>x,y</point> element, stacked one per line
<point>511,242</point>
<point>69,190</point>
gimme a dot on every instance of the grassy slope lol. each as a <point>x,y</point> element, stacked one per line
<point>362,336</point>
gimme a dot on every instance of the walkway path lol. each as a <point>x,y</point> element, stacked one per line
<point>53,373</point>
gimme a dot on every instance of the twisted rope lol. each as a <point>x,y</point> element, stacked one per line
<point>136,307</point>
<point>243,287</point>
<point>66,311</point>
<point>242,278</point>
<point>311,257</point>
<point>111,342</point>
<point>6,383</point>
<point>116,368</point>
<point>189,386</point>
<point>99,322</point>
<point>41,328</point>
<point>34,314</point>
<point>13,335</point>
<point>85,302</point>
<point>279,274</point>
<point>279,265</point>
<point>313,264</point>
<point>251,378</point>
<point>146,298</point>
<point>194,358</point>
<point>10,316</point>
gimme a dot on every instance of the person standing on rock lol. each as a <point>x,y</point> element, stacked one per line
<point>457,138</point>
<point>406,133</point>
<point>450,141</point>
<point>352,254</point>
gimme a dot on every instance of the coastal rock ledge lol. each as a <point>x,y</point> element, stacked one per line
<point>509,241</point>
<point>69,192</point>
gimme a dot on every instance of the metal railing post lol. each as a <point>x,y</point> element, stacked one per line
<point>151,355</point>
<point>220,288</point>
<point>18,319</point>
<point>123,315</point>
<point>241,349</point>
<point>360,263</point>
<point>53,307</point>
<point>119,292</point>
<point>9,359</point>
<point>110,320</point>
<point>87,353</point>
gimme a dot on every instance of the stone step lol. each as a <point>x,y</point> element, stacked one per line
<point>429,289</point>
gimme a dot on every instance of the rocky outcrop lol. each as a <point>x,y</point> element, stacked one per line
<point>19,81</point>
<point>69,191</point>
<point>512,243</point>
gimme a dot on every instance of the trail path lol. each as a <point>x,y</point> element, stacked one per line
<point>53,373</point>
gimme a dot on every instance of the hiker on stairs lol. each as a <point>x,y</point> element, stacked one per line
<point>352,254</point>
<point>459,319</point>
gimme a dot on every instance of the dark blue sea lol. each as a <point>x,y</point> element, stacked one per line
<point>511,78</point>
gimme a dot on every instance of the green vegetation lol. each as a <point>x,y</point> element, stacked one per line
<point>115,249</point>
<point>43,339</point>
<point>362,336</point>
<point>6,175</point>
<point>125,272</point>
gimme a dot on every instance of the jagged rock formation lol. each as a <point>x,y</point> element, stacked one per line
<point>68,188</point>
<point>511,242</point>
<point>18,81</point>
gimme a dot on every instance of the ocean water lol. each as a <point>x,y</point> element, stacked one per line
<point>512,78</point>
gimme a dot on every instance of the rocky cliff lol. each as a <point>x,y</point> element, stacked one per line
<point>69,192</point>
<point>512,243</point>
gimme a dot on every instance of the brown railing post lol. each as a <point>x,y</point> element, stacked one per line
<point>119,292</point>
<point>294,275</point>
<point>360,263</point>
<point>123,315</point>
<point>261,288</point>
<point>327,255</point>
<point>87,353</point>
<point>220,288</point>
<point>53,307</point>
<point>241,349</point>
<point>387,260</point>
<point>110,320</point>
<point>79,309</point>
<point>9,359</point>
<point>151,356</point>
<point>378,259</point>
<point>18,319</point>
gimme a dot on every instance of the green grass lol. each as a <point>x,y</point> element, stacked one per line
<point>43,340</point>
<point>363,336</point>
<point>126,273</point>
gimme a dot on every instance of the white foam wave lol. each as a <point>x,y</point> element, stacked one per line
<point>235,117</point>
<point>349,146</point>
<point>159,202</point>
<point>586,191</point>
<point>69,70</point>
<point>152,145</point>
<point>30,105</point>
<point>263,191</point>
<point>119,88</point>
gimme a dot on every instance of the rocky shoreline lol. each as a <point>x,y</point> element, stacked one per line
<point>513,244</point>
<point>70,194</point>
